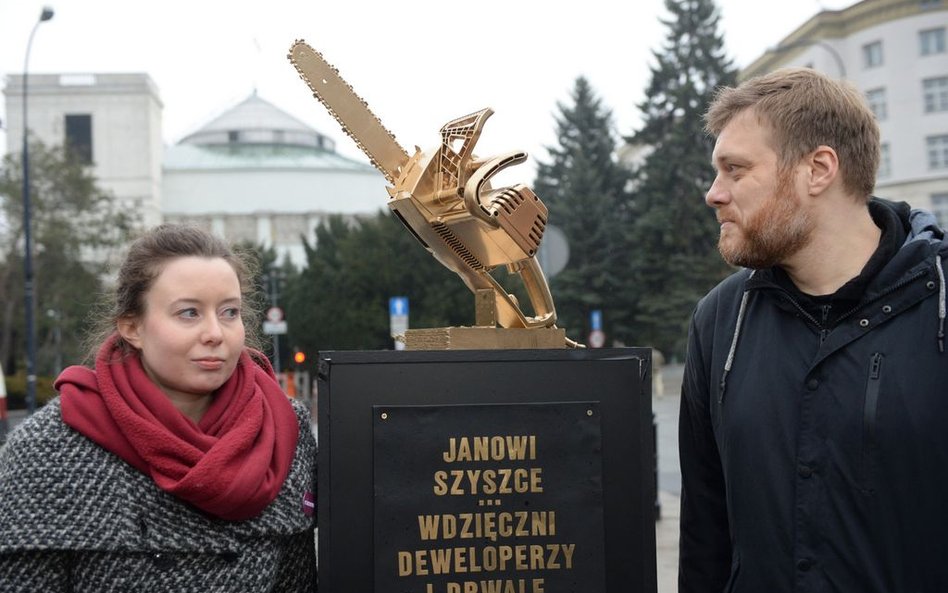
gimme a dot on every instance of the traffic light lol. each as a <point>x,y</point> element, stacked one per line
<point>299,357</point>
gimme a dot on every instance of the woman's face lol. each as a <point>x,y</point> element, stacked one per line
<point>191,334</point>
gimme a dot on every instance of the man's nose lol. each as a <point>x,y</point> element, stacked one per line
<point>717,195</point>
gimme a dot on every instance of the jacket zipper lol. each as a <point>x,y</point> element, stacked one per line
<point>870,409</point>
<point>872,398</point>
<point>823,330</point>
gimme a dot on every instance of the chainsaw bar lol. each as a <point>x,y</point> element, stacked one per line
<point>348,108</point>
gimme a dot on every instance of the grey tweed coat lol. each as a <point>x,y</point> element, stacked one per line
<point>76,518</point>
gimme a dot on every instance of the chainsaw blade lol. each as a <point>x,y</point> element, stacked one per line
<point>352,113</point>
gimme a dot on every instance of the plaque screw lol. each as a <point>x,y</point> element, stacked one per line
<point>384,415</point>
<point>589,412</point>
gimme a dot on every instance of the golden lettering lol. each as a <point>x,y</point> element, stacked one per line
<point>481,447</point>
<point>456,485</point>
<point>440,487</point>
<point>551,562</point>
<point>495,448</point>
<point>495,586</point>
<point>568,550</point>
<point>458,482</point>
<point>441,561</point>
<point>536,558</point>
<point>421,563</point>
<point>488,525</point>
<point>460,559</point>
<point>523,557</point>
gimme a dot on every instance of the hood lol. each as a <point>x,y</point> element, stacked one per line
<point>922,230</point>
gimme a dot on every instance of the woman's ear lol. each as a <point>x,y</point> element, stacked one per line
<point>824,168</point>
<point>128,328</point>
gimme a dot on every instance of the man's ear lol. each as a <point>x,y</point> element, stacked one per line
<point>128,328</point>
<point>824,168</point>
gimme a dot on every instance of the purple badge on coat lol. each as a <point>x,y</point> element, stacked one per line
<point>309,504</point>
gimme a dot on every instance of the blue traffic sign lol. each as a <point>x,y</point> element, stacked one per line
<point>398,306</point>
<point>595,319</point>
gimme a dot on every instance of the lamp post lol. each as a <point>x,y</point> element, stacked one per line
<point>45,15</point>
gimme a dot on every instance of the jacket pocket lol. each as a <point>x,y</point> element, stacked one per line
<point>870,421</point>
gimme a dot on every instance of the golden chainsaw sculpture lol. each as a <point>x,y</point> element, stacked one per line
<point>445,198</point>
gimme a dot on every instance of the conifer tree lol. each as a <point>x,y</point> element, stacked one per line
<point>674,238</point>
<point>584,188</point>
<point>76,226</point>
<point>340,299</point>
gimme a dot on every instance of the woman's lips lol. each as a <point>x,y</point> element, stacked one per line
<point>210,364</point>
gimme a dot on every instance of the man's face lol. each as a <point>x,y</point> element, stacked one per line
<point>763,221</point>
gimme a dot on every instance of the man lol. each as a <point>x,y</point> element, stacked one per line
<point>814,411</point>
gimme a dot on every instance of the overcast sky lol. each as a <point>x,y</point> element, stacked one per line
<point>416,67</point>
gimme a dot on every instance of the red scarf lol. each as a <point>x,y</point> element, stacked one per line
<point>231,464</point>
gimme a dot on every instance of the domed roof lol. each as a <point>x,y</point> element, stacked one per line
<point>257,121</point>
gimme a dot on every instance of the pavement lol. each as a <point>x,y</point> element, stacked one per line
<point>665,400</point>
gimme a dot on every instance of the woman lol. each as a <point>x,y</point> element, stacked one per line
<point>177,463</point>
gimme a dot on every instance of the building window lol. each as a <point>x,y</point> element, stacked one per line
<point>937,152</point>
<point>935,91</point>
<point>885,162</point>
<point>876,99</point>
<point>932,41</point>
<point>79,137</point>
<point>233,136</point>
<point>940,209</point>
<point>872,54</point>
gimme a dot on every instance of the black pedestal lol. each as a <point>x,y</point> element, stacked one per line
<point>486,471</point>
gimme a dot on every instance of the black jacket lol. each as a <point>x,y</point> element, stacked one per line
<point>815,458</point>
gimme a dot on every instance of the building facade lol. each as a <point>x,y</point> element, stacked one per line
<point>895,52</point>
<point>112,120</point>
<point>257,174</point>
<point>252,174</point>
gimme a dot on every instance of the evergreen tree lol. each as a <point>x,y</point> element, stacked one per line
<point>584,188</point>
<point>340,300</point>
<point>75,226</point>
<point>674,237</point>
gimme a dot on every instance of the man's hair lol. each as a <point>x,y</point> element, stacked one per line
<point>805,109</point>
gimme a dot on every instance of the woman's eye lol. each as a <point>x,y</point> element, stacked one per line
<point>230,313</point>
<point>188,313</point>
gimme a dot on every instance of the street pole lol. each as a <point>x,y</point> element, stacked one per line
<point>273,302</point>
<point>45,15</point>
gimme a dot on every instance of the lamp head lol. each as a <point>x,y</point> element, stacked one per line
<point>46,14</point>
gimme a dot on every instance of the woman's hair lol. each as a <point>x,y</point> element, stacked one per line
<point>144,262</point>
<point>805,109</point>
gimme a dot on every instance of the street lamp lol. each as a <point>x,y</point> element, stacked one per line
<point>45,15</point>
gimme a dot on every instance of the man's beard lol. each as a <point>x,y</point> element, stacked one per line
<point>778,230</point>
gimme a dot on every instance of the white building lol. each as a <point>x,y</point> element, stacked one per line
<point>257,174</point>
<point>113,120</point>
<point>895,51</point>
<point>254,173</point>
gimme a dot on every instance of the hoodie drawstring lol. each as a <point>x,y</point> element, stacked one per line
<point>737,333</point>
<point>941,303</point>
